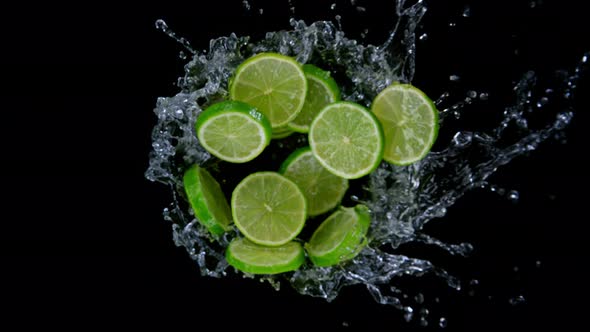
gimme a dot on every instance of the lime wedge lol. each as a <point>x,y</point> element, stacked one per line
<point>268,208</point>
<point>347,139</point>
<point>340,237</point>
<point>233,131</point>
<point>322,189</point>
<point>322,90</point>
<point>410,123</point>
<point>273,83</point>
<point>207,200</point>
<point>252,258</point>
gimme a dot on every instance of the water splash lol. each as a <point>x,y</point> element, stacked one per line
<point>401,199</point>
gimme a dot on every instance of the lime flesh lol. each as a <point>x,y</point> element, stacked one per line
<point>273,83</point>
<point>322,90</point>
<point>340,237</point>
<point>233,131</point>
<point>322,189</point>
<point>268,208</point>
<point>410,123</point>
<point>347,140</point>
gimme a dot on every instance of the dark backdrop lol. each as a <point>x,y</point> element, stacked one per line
<point>82,241</point>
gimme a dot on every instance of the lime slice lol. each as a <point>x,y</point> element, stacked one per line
<point>252,258</point>
<point>410,123</point>
<point>268,208</point>
<point>233,131</point>
<point>340,237</point>
<point>273,83</point>
<point>207,200</point>
<point>322,90</point>
<point>322,189</point>
<point>281,132</point>
<point>347,139</point>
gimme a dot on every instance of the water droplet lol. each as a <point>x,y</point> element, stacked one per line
<point>423,37</point>
<point>419,298</point>
<point>333,6</point>
<point>246,5</point>
<point>423,322</point>
<point>345,324</point>
<point>452,24</point>
<point>584,58</point>
<point>517,300</point>
<point>442,322</point>
<point>364,33</point>
<point>542,102</point>
<point>538,264</point>
<point>439,212</point>
<point>462,138</point>
<point>408,313</point>
<point>442,98</point>
<point>353,2</point>
<point>513,195</point>
<point>522,123</point>
<point>161,25</point>
<point>472,94</point>
<point>515,269</point>
<point>361,9</point>
<point>466,11</point>
<point>182,55</point>
<point>261,11</point>
<point>532,4</point>
<point>454,78</point>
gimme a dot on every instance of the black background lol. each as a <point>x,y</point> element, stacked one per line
<point>83,243</point>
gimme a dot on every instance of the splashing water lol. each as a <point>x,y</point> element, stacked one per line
<point>401,199</point>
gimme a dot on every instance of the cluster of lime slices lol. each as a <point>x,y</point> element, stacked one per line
<point>272,96</point>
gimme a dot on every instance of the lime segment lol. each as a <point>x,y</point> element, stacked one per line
<point>207,200</point>
<point>340,237</point>
<point>252,258</point>
<point>322,189</point>
<point>347,139</point>
<point>233,131</point>
<point>410,123</point>
<point>322,90</point>
<point>268,208</point>
<point>273,83</point>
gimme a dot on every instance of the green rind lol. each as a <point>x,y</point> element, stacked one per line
<point>237,216</point>
<point>352,243</point>
<point>216,221</point>
<point>267,267</point>
<point>230,106</point>
<point>380,138</point>
<point>314,73</point>
<point>281,132</point>
<point>293,158</point>
<point>435,127</point>
<point>232,89</point>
